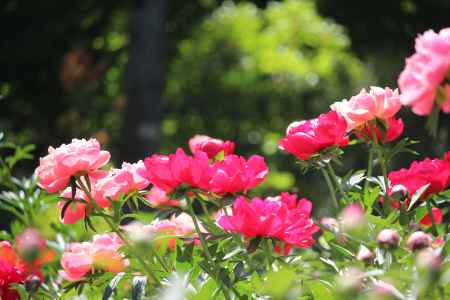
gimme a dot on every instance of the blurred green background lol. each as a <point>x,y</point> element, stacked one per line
<point>144,76</point>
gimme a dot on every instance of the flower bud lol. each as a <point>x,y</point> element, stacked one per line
<point>364,254</point>
<point>32,283</point>
<point>29,244</point>
<point>399,192</point>
<point>429,259</point>
<point>388,238</point>
<point>330,224</point>
<point>418,240</point>
<point>352,216</point>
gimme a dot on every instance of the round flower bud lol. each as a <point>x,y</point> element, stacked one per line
<point>32,283</point>
<point>330,224</point>
<point>364,254</point>
<point>399,192</point>
<point>418,240</point>
<point>388,238</point>
<point>352,216</point>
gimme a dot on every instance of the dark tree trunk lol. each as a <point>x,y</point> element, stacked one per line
<point>144,79</point>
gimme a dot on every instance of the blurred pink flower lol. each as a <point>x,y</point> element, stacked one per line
<point>101,254</point>
<point>306,138</point>
<point>352,216</point>
<point>158,197</point>
<point>284,218</point>
<point>378,103</point>
<point>210,146</point>
<point>425,71</point>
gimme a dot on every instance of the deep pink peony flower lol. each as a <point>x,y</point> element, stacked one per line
<point>425,71</point>
<point>394,129</point>
<point>80,157</point>
<point>158,197</point>
<point>12,270</point>
<point>306,138</point>
<point>378,103</point>
<point>235,174</point>
<point>284,218</point>
<point>434,172</point>
<point>130,178</point>
<point>101,254</point>
<point>169,171</point>
<point>210,146</point>
<point>437,217</point>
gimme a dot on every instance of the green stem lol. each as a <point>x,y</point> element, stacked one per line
<point>268,251</point>
<point>211,264</point>
<point>369,171</point>
<point>433,222</point>
<point>114,228</point>
<point>335,179</point>
<point>387,202</point>
<point>330,187</point>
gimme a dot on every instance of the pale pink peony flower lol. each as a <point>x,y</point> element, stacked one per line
<point>101,254</point>
<point>130,178</point>
<point>210,146</point>
<point>158,197</point>
<point>378,103</point>
<point>425,71</point>
<point>80,157</point>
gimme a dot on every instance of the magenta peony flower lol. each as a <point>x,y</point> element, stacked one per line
<point>394,130</point>
<point>425,71</point>
<point>210,146</point>
<point>80,157</point>
<point>306,138</point>
<point>235,174</point>
<point>437,217</point>
<point>131,177</point>
<point>284,218</point>
<point>101,254</point>
<point>434,172</point>
<point>12,271</point>
<point>378,103</point>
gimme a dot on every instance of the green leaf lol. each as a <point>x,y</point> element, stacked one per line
<point>112,285</point>
<point>138,287</point>
<point>207,289</point>
<point>320,290</point>
<point>278,283</point>
<point>417,195</point>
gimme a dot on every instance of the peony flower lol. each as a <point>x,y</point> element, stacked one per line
<point>432,172</point>
<point>393,131</point>
<point>102,253</point>
<point>210,146</point>
<point>284,218</point>
<point>167,172</point>
<point>235,174</point>
<point>378,103</point>
<point>306,138</point>
<point>130,178</point>
<point>425,71</point>
<point>80,157</point>
<point>158,197</point>
<point>437,217</point>
<point>418,240</point>
<point>14,270</point>
<point>388,238</point>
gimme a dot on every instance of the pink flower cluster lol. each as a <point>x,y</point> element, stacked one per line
<point>102,254</point>
<point>432,172</point>
<point>425,72</point>
<point>284,218</point>
<point>230,175</point>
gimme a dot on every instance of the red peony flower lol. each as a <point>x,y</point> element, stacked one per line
<point>306,138</point>
<point>437,217</point>
<point>284,218</point>
<point>210,146</point>
<point>80,157</point>
<point>394,130</point>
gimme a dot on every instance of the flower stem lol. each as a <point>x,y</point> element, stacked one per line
<point>369,170</point>
<point>268,251</point>
<point>114,228</point>
<point>433,222</point>
<point>330,187</point>
<point>335,179</point>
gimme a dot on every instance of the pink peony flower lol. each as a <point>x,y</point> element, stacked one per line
<point>284,218</point>
<point>425,71</point>
<point>102,253</point>
<point>12,271</point>
<point>210,146</point>
<point>169,171</point>
<point>130,178</point>
<point>306,138</point>
<point>434,172</point>
<point>394,130</point>
<point>80,157</point>
<point>158,197</point>
<point>378,103</point>
<point>235,174</point>
<point>437,217</point>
